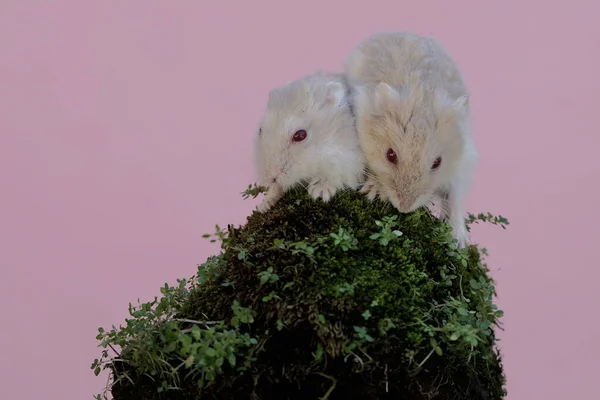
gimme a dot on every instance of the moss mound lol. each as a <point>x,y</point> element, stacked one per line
<point>312,300</point>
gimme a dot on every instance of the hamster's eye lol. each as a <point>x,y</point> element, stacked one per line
<point>391,156</point>
<point>436,164</point>
<point>299,135</point>
<point>259,131</point>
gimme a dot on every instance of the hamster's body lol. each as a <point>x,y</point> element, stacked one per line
<point>413,122</point>
<point>308,135</point>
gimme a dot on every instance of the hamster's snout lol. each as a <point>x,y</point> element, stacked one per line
<point>404,203</point>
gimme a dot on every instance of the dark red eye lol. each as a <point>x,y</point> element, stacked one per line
<point>391,156</point>
<point>436,163</point>
<point>299,135</point>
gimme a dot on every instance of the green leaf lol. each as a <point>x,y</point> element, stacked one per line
<point>231,359</point>
<point>318,355</point>
<point>196,332</point>
<point>210,352</point>
<point>189,361</point>
<point>171,347</point>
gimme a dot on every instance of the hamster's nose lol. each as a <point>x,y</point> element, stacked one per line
<point>403,205</point>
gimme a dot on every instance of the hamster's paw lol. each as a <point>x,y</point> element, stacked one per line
<point>264,206</point>
<point>321,190</point>
<point>274,193</point>
<point>371,189</point>
<point>463,238</point>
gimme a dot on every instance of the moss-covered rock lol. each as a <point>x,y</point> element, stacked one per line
<point>313,300</point>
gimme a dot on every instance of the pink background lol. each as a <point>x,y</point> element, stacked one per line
<point>126,131</point>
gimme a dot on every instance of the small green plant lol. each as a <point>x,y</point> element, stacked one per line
<point>344,239</point>
<point>268,276</point>
<point>387,233</point>
<point>253,191</point>
<point>486,217</point>
<point>163,346</point>
<point>337,300</point>
<point>220,235</point>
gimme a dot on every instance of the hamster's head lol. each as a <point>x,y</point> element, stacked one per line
<point>303,121</point>
<point>412,144</point>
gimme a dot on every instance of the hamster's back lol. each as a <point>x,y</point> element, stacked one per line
<point>402,59</point>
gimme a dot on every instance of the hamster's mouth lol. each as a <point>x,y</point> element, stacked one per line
<point>397,203</point>
<point>404,206</point>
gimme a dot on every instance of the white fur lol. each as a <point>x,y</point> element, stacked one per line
<point>328,160</point>
<point>410,97</point>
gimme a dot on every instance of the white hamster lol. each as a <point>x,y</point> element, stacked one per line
<point>308,136</point>
<point>413,121</point>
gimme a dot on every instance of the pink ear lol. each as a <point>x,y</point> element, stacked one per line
<point>336,93</point>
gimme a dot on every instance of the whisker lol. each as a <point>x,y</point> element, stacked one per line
<point>373,178</point>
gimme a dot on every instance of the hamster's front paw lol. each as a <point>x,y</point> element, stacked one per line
<point>321,190</point>
<point>274,193</point>
<point>463,238</point>
<point>264,206</point>
<point>371,188</point>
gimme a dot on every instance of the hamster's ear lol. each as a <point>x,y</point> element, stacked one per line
<point>460,103</point>
<point>375,99</point>
<point>444,103</point>
<point>336,93</point>
<point>385,95</point>
<point>451,110</point>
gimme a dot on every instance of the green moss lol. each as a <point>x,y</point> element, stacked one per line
<point>339,300</point>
